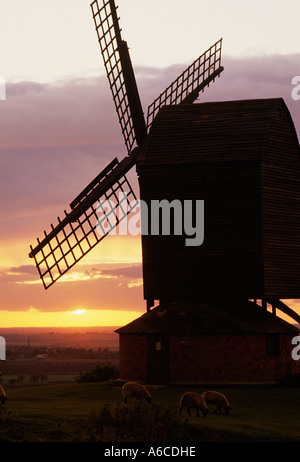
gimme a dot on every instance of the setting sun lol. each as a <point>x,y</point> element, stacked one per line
<point>77,312</point>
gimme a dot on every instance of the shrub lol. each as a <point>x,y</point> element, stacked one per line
<point>99,374</point>
<point>138,421</point>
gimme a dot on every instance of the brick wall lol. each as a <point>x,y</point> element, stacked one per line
<point>133,357</point>
<point>211,358</point>
<point>228,358</point>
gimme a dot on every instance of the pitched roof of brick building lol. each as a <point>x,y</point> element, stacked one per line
<point>208,318</point>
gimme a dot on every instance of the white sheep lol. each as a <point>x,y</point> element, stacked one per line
<point>2,395</point>
<point>135,390</point>
<point>192,400</point>
<point>220,400</point>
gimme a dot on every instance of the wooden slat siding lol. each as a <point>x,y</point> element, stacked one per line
<point>209,131</point>
<point>172,269</point>
<point>228,149</point>
<point>281,208</point>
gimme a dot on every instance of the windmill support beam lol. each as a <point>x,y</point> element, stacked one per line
<point>150,303</point>
<point>284,308</point>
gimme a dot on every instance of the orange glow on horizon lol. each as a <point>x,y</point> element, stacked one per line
<point>76,318</point>
<point>80,317</point>
<point>22,290</point>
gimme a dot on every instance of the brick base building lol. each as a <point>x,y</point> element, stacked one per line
<point>238,342</point>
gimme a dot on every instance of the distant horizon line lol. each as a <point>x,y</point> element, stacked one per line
<point>60,327</point>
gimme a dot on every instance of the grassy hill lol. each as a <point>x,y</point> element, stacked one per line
<point>82,412</point>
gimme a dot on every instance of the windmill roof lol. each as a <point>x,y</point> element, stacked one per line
<point>211,131</point>
<point>208,318</point>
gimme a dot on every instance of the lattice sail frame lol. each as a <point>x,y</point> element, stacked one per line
<point>94,214</point>
<point>119,72</point>
<point>188,84</point>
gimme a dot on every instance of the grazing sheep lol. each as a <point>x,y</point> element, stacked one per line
<point>194,400</point>
<point>2,395</point>
<point>220,400</point>
<point>135,390</point>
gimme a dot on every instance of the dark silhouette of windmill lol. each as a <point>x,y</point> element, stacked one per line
<point>242,159</point>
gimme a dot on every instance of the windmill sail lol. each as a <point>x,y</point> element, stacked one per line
<point>94,213</point>
<point>82,228</point>
<point>195,78</point>
<point>119,72</point>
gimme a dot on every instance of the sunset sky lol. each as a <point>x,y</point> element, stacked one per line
<point>59,128</point>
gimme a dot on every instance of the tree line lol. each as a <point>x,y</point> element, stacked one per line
<point>60,352</point>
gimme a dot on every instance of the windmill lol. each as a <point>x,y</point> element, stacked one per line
<point>242,159</point>
<point>78,231</point>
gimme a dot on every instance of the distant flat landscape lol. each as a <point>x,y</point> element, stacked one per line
<point>75,337</point>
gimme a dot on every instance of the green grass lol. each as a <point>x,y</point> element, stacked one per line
<point>59,401</point>
<point>66,412</point>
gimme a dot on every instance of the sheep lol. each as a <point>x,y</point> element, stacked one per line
<point>194,400</point>
<point>2,395</point>
<point>220,400</point>
<point>135,390</point>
